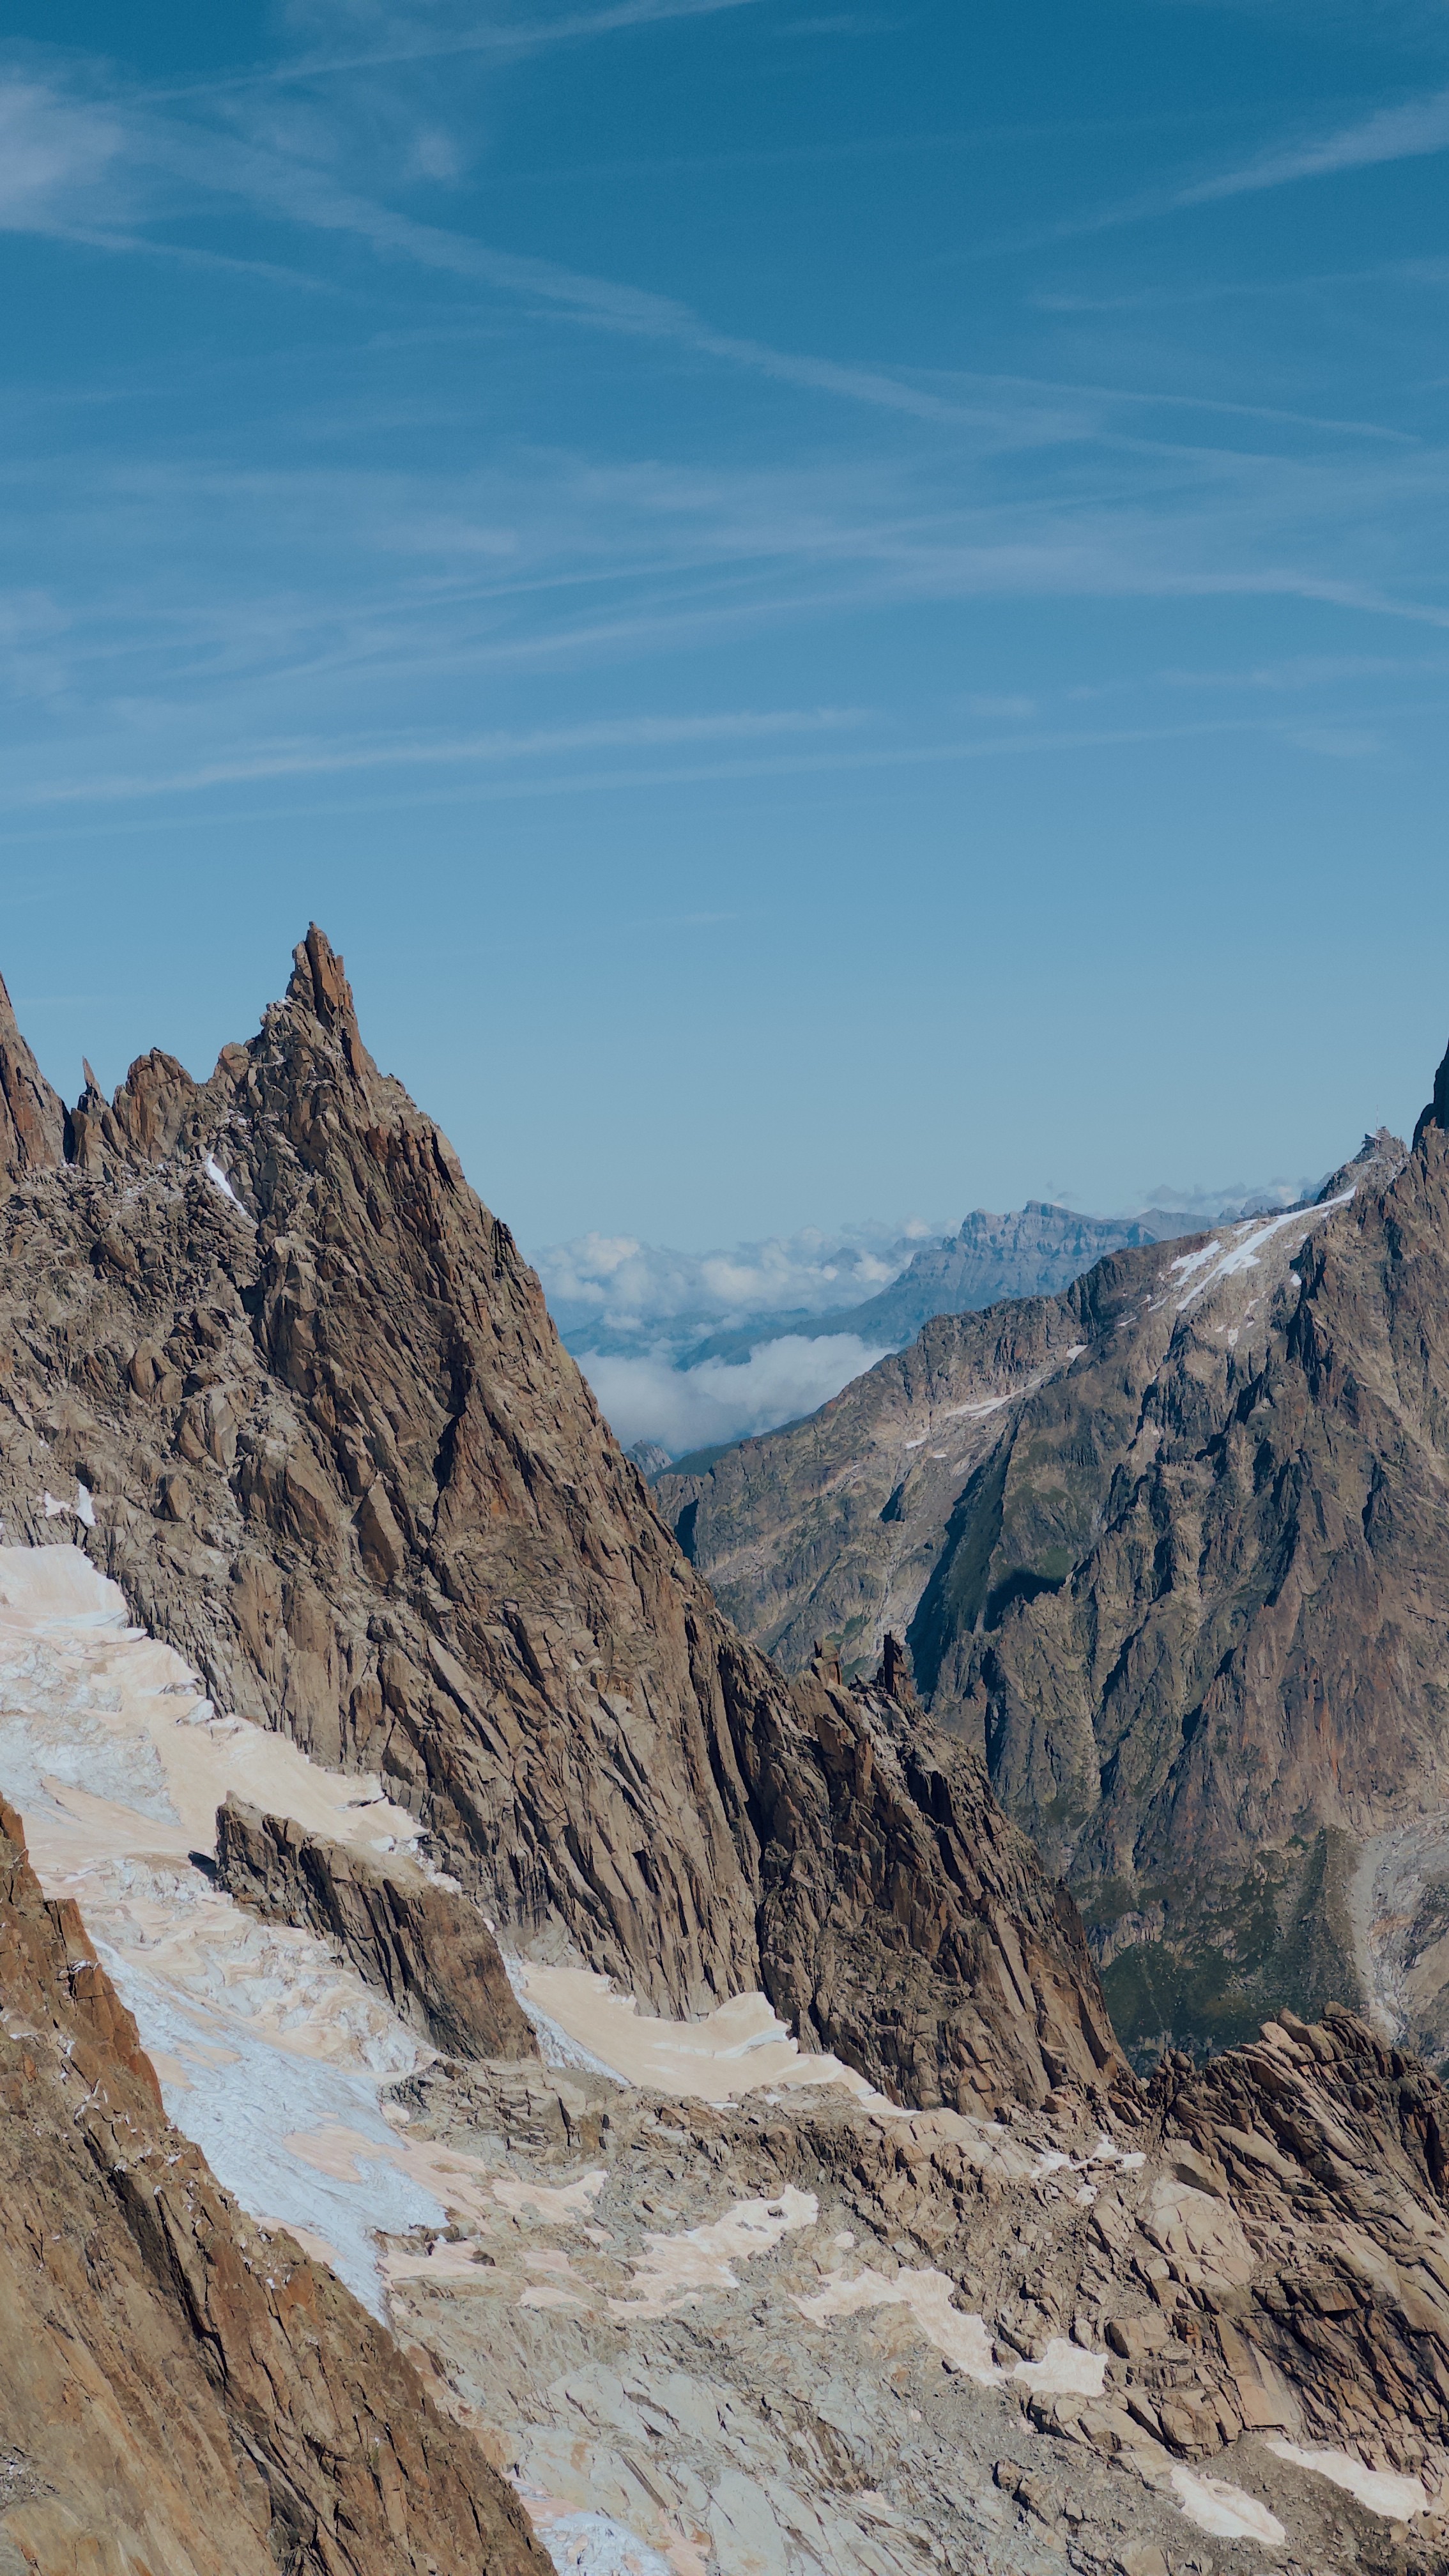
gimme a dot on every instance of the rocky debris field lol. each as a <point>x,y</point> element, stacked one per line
<point>724,2318</point>
<point>794,2334</point>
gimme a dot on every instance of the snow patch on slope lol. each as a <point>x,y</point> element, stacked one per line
<point>737,2048</point>
<point>1244,1247</point>
<point>118,1764</point>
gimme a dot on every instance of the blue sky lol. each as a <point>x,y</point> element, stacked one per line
<point>842,610</point>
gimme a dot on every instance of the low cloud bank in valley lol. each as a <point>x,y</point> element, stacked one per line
<point>617,1285</point>
<point>649,1324</point>
<point>647,1398</point>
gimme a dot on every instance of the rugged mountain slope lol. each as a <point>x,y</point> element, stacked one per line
<point>1035,1251</point>
<point>831,1529</point>
<point>792,2334</point>
<point>1186,1593</point>
<point>271,1360</point>
<point>180,2391</point>
<point>724,2338</point>
<point>264,1349</point>
<point>1031,1252</point>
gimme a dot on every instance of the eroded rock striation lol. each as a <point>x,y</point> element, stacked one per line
<point>1180,1579</point>
<point>266,1352</point>
<point>425,1946</point>
<point>182,2389</point>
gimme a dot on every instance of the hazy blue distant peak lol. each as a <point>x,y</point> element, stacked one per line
<point>1220,1206</point>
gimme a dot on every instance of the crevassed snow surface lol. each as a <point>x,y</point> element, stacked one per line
<point>593,2544</point>
<point>259,2033</point>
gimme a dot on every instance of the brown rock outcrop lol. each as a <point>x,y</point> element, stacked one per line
<point>427,1948</point>
<point>905,1923</point>
<point>181,2390</point>
<point>1305,2233</point>
<point>1181,1583</point>
<point>32,1116</point>
<point>338,1457</point>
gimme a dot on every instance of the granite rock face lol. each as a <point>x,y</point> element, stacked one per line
<point>904,1922</point>
<point>181,2389</point>
<point>266,1354</point>
<point>32,1116</point>
<point>426,1947</point>
<point>1170,1552</point>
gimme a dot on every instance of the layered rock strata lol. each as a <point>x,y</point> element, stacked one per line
<point>181,2389</point>
<point>426,1947</point>
<point>264,1351</point>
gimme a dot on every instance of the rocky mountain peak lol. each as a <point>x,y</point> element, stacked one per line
<point>32,1115</point>
<point>319,989</point>
<point>267,1358</point>
<point>1379,1160</point>
<point>335,1453</point>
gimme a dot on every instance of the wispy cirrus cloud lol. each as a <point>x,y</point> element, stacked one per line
<point>64,154</point>
<point>1031,487</point>
<point>413,39</point>
<point>263,761</point>
<point>81,171</point>
<point>63,160</point>
<point>1411,129</point>
<point>1406,132</point>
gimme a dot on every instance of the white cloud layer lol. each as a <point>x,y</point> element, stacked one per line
<point>617,1283</point>
<point>648,1399</point>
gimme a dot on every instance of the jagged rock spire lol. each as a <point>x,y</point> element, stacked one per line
<point>32,1116</point>
<point>320,987</point>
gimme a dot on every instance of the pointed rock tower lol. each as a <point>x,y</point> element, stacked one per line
<point>338,1455</point>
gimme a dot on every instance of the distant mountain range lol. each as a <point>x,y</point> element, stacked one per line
<point>1166,1549</point>
<point>615,1296</point>
<point>686,1353</point>
<point>1031,1252</point>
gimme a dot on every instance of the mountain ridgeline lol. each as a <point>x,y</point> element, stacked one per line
<point>261,1331</point>
<point>1167,1547</point>
<point>1169,1550</point>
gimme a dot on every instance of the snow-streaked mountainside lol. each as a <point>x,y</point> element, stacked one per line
<point>693,1350</point>
<point>706,2089</point>
<point>655,2392</point>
